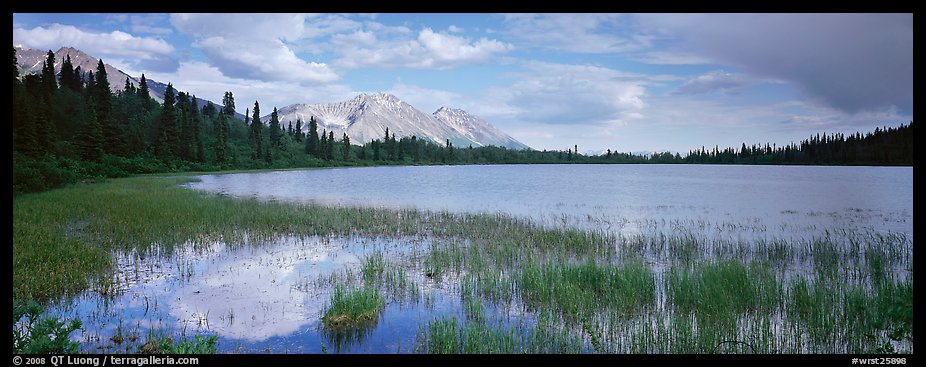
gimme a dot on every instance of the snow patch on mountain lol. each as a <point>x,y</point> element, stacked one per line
<point>368,116</point>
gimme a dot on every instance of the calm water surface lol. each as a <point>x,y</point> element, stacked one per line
<point>270,297</point>
<point>784,201</point>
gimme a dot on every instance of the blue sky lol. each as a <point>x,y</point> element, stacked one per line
<point>626,82</point>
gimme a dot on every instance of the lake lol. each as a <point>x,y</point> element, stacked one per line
<point>271,296</point>
<point>775,201</point>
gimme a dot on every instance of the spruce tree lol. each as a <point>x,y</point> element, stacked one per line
<point>322,146</point>
<point>90,139</point>
<point>67,78</point>
<point>276,133</point>
<point>228,105</point>
<point>220,146</point>
<point>329,151</point>
<point>298,131</point>
<point>209,110</point>
<point>312,142</point>
<point>195,122</point>
<point>345,147</point>
<point>112,132</point>
<point>144,93</point>
<point>165,140</point>
<point>49,79</point>
<point>186,134</point>
<point>256,128</point>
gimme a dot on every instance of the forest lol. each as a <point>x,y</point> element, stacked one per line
<point>70,127</point>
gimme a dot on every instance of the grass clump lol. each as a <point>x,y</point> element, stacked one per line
<point>581,289</point>
<point>200,344</point>
<point>353,307</point>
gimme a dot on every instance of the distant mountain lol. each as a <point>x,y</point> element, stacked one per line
<point>367,116</point>
<point>476,129</point>
<point>30,62</point>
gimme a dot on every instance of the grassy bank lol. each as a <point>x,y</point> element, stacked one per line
<point>574,290</point>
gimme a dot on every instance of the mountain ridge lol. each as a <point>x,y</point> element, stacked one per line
<point>368,115</point>
<point>30,62</point>
<point>364,117</point>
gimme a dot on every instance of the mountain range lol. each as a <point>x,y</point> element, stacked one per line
<point>30,62</point>
<point>368,116</point>
<point>363,118</point>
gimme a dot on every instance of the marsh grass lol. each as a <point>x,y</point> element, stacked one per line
<point>353,309</point>
<point>578,289</point>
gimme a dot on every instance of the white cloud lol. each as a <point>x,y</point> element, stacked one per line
<point>454,29</point>
<point>208,82</point>
<point>116,44</point>
<point>430,50</point>
<point>567,94</point>
<point>254,46</point>
<point>581,33</point>
<point>149,24</point>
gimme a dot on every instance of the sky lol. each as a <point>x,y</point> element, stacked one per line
<point>625,82</point>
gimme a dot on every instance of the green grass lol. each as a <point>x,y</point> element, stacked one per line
<point>352,307</point>
<point>725,289</point>
<point>583,290</point>
<point>447,335</point>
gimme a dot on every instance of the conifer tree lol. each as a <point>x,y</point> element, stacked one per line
<point>165,140</point>
<point>144,93</point>
<point>329,151</point>
<point>220,146</point>
<point>90,139</point>
<point>345,147</point>
<point>322,146</point>
<point>228,105</point>
<point>312,141</point>
<point>67,77</point>
<point>195,123</point>
<point>49,80</point>
<point>276,133</point>
<point>256,129</point>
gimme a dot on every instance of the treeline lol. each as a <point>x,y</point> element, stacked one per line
<point>69,127</point>
<point>884,146</point>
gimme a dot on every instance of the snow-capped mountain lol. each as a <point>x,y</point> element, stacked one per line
<point>476,129</point>
<point>30,62</point>
<point>367,116</point>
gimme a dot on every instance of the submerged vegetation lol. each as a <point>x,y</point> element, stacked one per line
<point>522,287</point>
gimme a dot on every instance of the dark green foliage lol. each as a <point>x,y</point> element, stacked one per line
<point>884,146</point>
<point>49,80</point>
<point>165,139</point>
<point>74,132</point>
<point>35,334</point>
<point>256,129</point>
<point>200,344</point>
<point>220,146</point>
<point>299,135</point>
<point>276,133</point>
<point>323,144</point>
<point>345,147</point>
<point>312,141</point>
<point>144,93</point>
<point>228,104</point>
<point>90,139</point>
<point>329,147</point>
<point>68,77</point>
